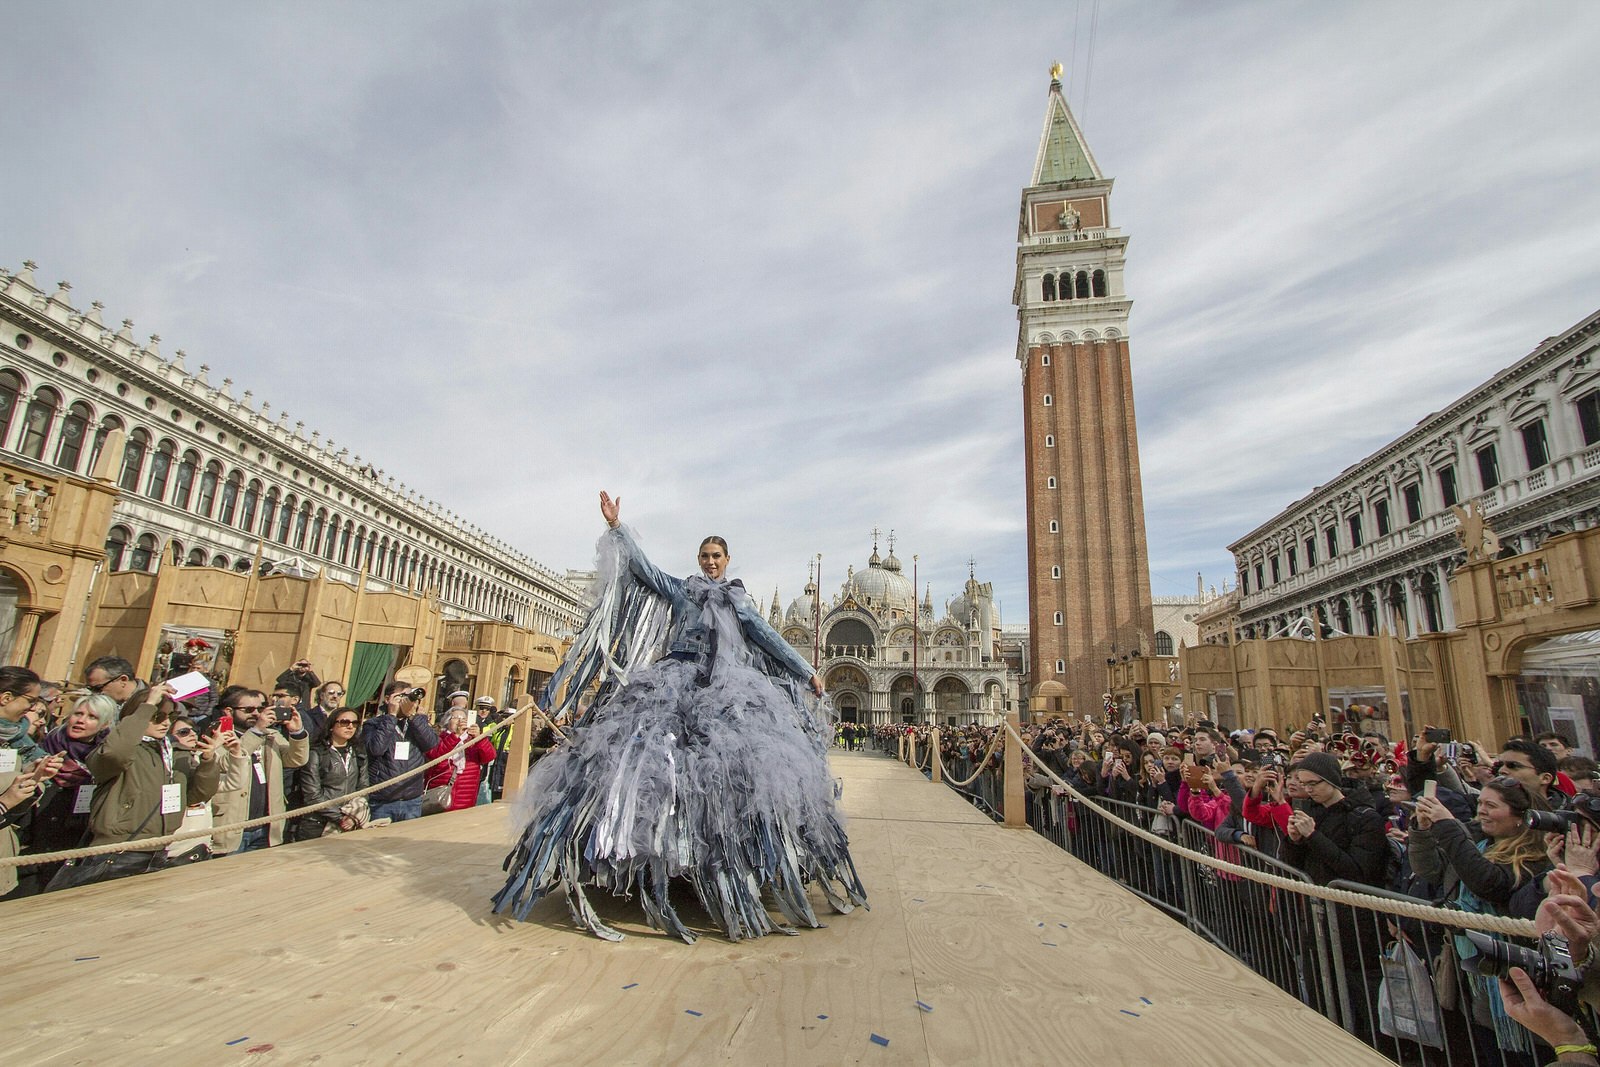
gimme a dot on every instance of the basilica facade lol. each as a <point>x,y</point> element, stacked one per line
<point>886,658</point>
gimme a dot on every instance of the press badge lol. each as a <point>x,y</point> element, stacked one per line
<point>261,770</point>
<point>80,802</point>
<point>8,760</point>
<point>171,799</point>
<point>402,751</point>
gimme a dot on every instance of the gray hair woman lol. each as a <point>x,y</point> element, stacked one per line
<point>62,818</point>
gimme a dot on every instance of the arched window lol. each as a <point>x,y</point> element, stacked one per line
<point>1055,527</point>
<point>144,553</point>
<point>133,462</point>
<point>220,562</point>
<point>361,542</point>
<point>1064,286</point>
<point>36,424</point>
<point>1164,644</point>
<point>1058,618</point>
<point>173,551</point>
<point>207,498</point>
<point>160,469</point>
<point>1055,572</point>
<point>230,498</point>
<point>252,502</point>
<point>1049,483</point>
<point>1099,283</point>
<point>107,425</point>
<point>1044,359</point>
<point>344,544</point>
<point>331,544</point>
<point>1083,285</point>
<point>74,428</point>
<point>1049,440</point>
<point>285,517</point>
<point>1048,400</point>
<point>269,511</point>
<point>318,521</point>
<point>187,467</point>
<point>10,391</point>
<point>1049,286</point>
<point>300,522</point>
<point>241,564</point>
<point>116,546</point>
<point>197,558</point>
<point>382,557</point>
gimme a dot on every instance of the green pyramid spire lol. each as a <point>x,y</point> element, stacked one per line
<point>1063,154</point>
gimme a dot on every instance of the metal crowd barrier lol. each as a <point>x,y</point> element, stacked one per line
<point>1379,977</point>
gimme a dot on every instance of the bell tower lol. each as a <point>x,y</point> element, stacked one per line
<point>1088,566</point>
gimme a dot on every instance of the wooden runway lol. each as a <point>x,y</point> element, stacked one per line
<point>379,947</point>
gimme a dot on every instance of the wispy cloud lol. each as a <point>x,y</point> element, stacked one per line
<point>751,268</point>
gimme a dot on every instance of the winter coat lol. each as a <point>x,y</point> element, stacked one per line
<point>274,751</point>
<point>379,735</point>
<point>1446,855</point>
<point>477,755</point>
<point>1349,844</point>
<point>129,773</point>
<point>326,778</point>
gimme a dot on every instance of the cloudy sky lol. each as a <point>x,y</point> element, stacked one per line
<point>750,265</point>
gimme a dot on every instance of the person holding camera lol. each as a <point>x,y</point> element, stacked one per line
<point>271,741</point>
<point>398,739</point>
<point>142,784</point>
<point>1493,867</point>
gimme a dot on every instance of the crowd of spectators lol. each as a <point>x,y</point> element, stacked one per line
<point>1447,822</point>
<point>117,760</point>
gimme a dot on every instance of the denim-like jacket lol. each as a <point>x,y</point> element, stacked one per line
<point>688,633</point>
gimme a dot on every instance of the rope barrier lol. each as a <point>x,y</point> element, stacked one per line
<point>1499,924</point>
<point>144,844</point>
<point>994,744</point>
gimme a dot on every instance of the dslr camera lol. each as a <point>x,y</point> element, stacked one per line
<point>415,695</point>
<point>1585,807</point>
<point>1550,966</point>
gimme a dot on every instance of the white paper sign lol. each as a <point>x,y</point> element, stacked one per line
<point>189,685</point>
<point>261,770</point>
<point>80,802</point>
<point>171,799</point>
<point>402,751</point>
<point>8,760</point>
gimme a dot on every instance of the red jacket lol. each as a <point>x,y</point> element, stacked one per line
<point>464,794</point>
<point>1265,813</point>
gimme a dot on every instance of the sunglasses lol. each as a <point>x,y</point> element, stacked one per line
<point>102,685</point>
<point>1497,766</point>
<point>344,722</point>
<point>183,733</point>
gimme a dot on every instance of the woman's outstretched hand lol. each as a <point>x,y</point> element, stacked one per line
<point>608,508</point>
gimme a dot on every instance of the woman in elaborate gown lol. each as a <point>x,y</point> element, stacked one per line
<point>708,764</point>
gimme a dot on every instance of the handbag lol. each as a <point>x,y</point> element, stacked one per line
<point>437,799</point>
<point>1407,1005</point>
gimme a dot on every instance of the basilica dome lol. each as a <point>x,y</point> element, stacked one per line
<point>882,585</point>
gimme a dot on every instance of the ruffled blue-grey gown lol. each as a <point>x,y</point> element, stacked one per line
<point>707,765</point>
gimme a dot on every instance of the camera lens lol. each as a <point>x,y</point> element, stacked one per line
<point>1550,822</point>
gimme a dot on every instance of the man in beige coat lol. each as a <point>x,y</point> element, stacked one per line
<point>267,745</point>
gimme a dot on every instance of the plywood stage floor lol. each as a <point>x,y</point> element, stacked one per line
<point>983,946</point>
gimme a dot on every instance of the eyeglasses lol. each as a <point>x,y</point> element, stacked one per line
<point>102,685</point>
<point>333,692</point>
<point>1497,766</point>
<point>344,722</point>
<point>183,733</point>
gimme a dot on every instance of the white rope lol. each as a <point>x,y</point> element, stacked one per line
<point>994,743</point>
<point>151,844</point>
<point>1499,924</point>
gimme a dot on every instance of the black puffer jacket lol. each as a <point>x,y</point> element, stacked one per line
<point>1348,844</point>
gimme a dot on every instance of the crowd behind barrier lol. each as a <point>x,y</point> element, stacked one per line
<point>1198,822</point>
<point>115,777</point>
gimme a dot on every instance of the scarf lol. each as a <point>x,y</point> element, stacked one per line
<point>15,735</point>
<point>718,602</point>
<point>73,772</point>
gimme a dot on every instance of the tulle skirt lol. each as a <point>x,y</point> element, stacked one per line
<point>724,785</point>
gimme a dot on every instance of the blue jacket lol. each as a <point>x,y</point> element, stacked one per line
<point>378,737</point>
<point>688,633</point>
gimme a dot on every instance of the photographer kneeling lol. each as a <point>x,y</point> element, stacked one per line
<point>398,740</point>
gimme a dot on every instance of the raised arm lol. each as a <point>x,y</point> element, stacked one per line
<point>647,572</point>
